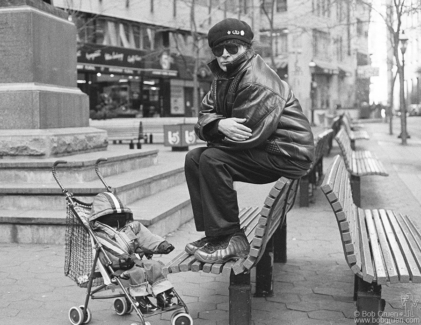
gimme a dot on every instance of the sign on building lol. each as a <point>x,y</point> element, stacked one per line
<point>367,71</point>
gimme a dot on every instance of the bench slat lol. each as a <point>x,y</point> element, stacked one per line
<point>238,266</point>
<point>356,236</point>
<point>367,265</point>
<point>375,248</point>
<point>172,266</point>
<point>196,266</point>
<point>226,270</point>
<point>412,242</point>
<point>216,268</point>
<point>186,264</point>
<point>385,249</point>
<point>395,248</point>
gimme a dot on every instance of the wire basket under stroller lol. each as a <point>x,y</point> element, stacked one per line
<point>84,267</point>
<point>79,255</point>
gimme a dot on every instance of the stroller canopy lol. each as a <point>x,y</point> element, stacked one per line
<point>108,204</point>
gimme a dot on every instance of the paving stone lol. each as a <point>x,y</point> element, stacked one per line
<point>326,315</point>
<point>214,315</point>
<point>329,291</point>
<point>263,304</point>
<point>217,299</point>
<point>284,298</point>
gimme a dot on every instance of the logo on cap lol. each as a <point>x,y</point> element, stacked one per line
<point>236,32</point>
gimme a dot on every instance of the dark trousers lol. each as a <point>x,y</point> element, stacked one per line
<point>210,174</point>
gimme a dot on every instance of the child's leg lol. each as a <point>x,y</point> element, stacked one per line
<point>154,276</point>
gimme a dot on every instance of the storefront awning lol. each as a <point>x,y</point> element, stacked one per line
<point>344,71</point>
<point>325,68</point>
<point>108,59</point>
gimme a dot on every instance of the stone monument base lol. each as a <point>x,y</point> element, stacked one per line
<point>45,143</point>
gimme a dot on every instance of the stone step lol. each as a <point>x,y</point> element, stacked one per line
<point>162,213</point>
<point>129,186</point>
<point>79,168</point>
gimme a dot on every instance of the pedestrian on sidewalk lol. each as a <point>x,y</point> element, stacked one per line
<point>255,131</point>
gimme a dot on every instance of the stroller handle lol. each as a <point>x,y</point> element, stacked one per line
<point>59,162</point>
<point>100,160</point>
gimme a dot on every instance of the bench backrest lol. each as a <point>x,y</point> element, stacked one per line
<point>337,189</point>
<point>344,144</point>
<point>346,123</point>
<point>336,125</point>
<point>322,144</point>
<point>280,200</point>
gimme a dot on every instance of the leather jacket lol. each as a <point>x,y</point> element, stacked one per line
<point>250,89</point>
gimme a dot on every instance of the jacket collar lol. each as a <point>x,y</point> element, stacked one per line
<point>232,69</point>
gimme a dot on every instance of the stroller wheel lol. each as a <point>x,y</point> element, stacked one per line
<point>76,316</point>
<point>130,307</point>
<point>181,318</point>
<point>88,315</point>
<point>120,306</point>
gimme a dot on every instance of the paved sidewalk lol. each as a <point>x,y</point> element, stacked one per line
<point>314,287</point>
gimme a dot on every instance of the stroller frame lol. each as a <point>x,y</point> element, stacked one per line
<point>82,315</point>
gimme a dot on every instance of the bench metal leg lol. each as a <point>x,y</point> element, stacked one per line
<point>240,299</point>
<point>355,287</point>
<point>353,144</point>
<point>280,243</point>
<point>356,189</point>
<point>304,184</point>
<point>264,272</point>
<point>131,145</point>
<point>369,303</point>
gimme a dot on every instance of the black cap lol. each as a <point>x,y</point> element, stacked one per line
<point>230,28</point>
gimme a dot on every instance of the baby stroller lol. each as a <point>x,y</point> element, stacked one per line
<point>83,265</point>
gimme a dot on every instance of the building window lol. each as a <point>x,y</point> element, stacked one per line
<point>279,46</point>
<point>360,27</point>
<point>267,5</point>
<point>321,45</point>
<point>281,5</point>
<point>340,49</point>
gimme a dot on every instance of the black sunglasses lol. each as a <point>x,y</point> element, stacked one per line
<point>231,49</point>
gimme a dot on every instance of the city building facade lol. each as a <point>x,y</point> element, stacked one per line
<point>323,44</point>
<point>146,57</point>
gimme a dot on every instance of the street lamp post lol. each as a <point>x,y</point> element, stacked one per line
<point>403,41</point>
<point>312,66</point>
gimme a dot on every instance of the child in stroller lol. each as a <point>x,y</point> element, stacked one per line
<point>125,242</point>
<point>104,249</point>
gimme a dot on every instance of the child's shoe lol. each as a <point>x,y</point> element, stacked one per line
<point>145,305</point>
<point>165,248</point>
<point>164,299</point>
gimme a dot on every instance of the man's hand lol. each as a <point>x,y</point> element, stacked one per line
<point>234,129</point>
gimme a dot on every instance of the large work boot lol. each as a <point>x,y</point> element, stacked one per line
<point>232,247</point>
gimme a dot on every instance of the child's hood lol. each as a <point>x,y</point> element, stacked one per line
<point>107,203</point>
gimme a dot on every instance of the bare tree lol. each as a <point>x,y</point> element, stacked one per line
<point>393,15</point>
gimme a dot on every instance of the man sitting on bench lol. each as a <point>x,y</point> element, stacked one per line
<point>256,132</point>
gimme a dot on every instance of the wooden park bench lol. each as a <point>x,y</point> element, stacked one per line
<point>353,135</point>
<point>358,163</point>
<point>266,232</point>
<point>132,132</point>
<point>309,181</point>
<point>380,246</point>
<point>335,126</point>
<point>354,126</point>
